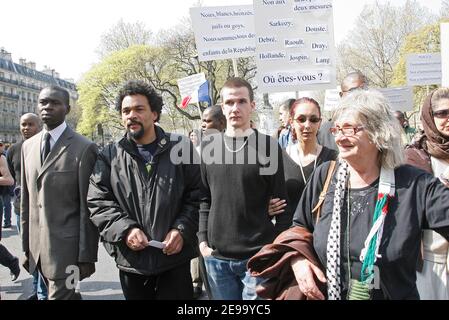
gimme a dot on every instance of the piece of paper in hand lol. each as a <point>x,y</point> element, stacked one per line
<point>156,244</point>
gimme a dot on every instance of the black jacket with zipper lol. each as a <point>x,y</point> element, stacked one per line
<point>123,195</point>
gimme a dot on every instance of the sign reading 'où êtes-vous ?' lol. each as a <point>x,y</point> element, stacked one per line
<point>223,32</point>
<point>295,48</point>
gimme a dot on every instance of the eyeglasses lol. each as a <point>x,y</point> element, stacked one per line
<point>346,131</point>
<point>302,119</point>
<point>441,114</point>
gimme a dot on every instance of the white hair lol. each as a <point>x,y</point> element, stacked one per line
<point>375,115</point>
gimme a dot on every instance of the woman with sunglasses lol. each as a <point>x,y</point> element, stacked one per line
<point>366,241</point>
<point>431,153</point>
<point>304,154</point>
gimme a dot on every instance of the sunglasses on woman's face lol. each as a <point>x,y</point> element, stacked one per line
<point>441,114</point>
<point>313,119</point>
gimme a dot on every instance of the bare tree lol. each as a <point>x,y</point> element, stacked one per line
<point>123,35</point>
<point>374,43</point>
<point>179,43</point>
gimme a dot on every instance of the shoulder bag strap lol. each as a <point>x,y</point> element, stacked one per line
<point>322,196</point>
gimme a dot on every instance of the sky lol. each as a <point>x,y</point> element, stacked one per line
<point>65,35</point>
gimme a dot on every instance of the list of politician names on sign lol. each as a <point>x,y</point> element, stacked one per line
<point>295,48</point>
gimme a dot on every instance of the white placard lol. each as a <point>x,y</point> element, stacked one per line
<point>399,99</point>
<point>445,54</point>
<point>223,32</point>
<point>295,49</point>
<point>189,85</point>
<point>423,69</point>
<point>331,99</point>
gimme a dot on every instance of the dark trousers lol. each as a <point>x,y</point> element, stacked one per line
<point>173,284</point>
<point>7,209</point>
<point>6,258</point>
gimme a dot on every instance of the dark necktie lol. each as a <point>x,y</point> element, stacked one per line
<point>47,137</point>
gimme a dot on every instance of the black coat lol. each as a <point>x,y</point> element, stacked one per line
<point>123,195</point>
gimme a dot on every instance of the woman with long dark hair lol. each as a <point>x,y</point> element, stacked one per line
<point>305,154</point>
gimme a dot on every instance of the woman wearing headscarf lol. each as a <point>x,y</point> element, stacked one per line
<point>367,239</point>
<point>431,153</point>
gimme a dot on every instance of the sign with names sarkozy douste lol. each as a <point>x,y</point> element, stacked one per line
<point>223,32</point>
<point>295,48</point>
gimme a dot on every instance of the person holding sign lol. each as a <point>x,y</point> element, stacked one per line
<point>144,201</point>
<point>431,153</point>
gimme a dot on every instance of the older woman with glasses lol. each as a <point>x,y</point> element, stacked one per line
<point>431,153</point>
<point>304,154</point>
<point>366,241</point>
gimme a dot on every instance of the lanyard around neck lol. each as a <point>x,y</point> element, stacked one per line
<point>370,252</point>
<point>300,165</point>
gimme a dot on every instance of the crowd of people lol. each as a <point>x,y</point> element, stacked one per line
<point>354,207</point>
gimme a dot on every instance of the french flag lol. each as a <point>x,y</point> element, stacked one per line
<point>200,95</point>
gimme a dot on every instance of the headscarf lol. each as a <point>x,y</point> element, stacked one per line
<point>436,144</point>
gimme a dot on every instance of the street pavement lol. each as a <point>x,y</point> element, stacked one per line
<point>104,284</point>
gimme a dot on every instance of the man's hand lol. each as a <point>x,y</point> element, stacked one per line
<point>173,242</point>
<point>136,239</point>
<point>205,250</point>
<point>276,206</point>
<point>86,269</point>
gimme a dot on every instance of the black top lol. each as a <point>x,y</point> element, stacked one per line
<point>294,181</point>
<point>236,190</point>
<point>421,201</point>
<point>147,152</point>
<point>123,195</point>
<point>14,160</point>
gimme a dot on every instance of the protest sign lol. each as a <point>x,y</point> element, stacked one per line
<point>295,48</point>
<point>445,54</point>
<point>223,32</point>
<point>189,85</point>
<point>331,99</point>
<point>423,69</point>
<point>399,99</point>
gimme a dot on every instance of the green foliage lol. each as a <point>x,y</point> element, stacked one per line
<point>425,40</point>
<point>161,66</point>
<point>99,87</point>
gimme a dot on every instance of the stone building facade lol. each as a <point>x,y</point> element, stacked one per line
<point>20,84</point>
